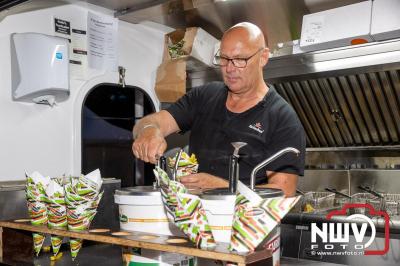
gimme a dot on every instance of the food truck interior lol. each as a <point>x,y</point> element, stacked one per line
<point>346,96</point>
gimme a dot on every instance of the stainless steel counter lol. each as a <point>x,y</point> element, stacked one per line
<point>13,203</point>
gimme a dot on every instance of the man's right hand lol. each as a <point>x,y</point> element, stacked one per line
<point>149,144</point>
<point>149,134</point>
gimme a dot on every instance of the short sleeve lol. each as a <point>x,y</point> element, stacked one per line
<point>289,163</point>
<point>184,110</point>
<point>289,133</point>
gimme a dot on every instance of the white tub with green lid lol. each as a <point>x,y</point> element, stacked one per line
<point>141,209</point>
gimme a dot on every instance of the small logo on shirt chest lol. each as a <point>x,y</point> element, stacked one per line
<point>257,127</point>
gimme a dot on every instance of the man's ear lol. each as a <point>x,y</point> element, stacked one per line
<point>264,57</point>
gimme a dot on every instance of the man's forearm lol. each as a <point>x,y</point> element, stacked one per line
<point>145,122</point>
<point>288,192</point>
<point>284,181</point>
<point>203,181</point>
<point>161,120</point>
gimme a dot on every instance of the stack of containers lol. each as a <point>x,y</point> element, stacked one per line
<point>82,197</point>
<point>36,196</point>
<point>56,211</point>
<point>60,206</point>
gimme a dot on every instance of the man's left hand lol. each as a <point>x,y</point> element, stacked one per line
<point>203,181</point>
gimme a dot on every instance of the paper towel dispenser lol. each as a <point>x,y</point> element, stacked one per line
<point>39,68</point>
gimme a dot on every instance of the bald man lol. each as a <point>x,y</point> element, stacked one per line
<point>241,108</point>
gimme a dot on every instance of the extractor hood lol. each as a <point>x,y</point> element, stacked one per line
<point>346,97</point>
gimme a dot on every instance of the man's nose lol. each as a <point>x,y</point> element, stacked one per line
<point>230,66</point>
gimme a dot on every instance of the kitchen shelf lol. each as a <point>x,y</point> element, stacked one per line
<point>16,242</point>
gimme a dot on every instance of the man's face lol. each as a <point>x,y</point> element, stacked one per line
<point>241,79</point>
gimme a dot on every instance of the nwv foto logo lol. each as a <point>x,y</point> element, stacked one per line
<point>340,232</point>
<point>337,235</point>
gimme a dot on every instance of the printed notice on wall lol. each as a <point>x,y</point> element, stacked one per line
<point>313,28</point>
<point>77,47</point>
<point>62,26</point>
<point>78,60</point>
<point>102,42</point>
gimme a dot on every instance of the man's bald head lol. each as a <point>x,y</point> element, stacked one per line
<point>245,32</point>
<point>244,55</point>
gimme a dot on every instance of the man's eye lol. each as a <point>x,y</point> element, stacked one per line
<point>239,61</point>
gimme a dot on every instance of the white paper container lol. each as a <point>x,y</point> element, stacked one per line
<point>141,209</point>
<point>220,206</point>
<point>219,210</point>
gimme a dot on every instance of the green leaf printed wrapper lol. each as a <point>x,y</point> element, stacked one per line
<point>187,164</point>
<point>75,246</point>
<point>56,211</point>
<point>255,218</point>
<point>168,191</point>
<point>82,198</point>
<point>35,195</point>
<point>191,218</point>
<point>186,211</point>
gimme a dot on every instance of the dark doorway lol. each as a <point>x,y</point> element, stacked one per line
<point>109,113</point>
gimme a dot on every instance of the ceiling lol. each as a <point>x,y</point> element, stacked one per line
<point>280,20</point>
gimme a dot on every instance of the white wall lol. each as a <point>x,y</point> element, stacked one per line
<point>37,137</point>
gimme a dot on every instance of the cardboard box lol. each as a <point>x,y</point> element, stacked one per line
<point>385,22</point>
<point>337,27</point>
<point>197,52</point>
<point>171,80</point>
<point>198,45</point>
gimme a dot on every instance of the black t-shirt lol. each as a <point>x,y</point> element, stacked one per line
<point>268,127</point>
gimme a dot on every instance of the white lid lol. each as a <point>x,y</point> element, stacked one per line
<point>138,196</point>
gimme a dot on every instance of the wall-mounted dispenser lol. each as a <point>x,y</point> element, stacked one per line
<point>39,68</point>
